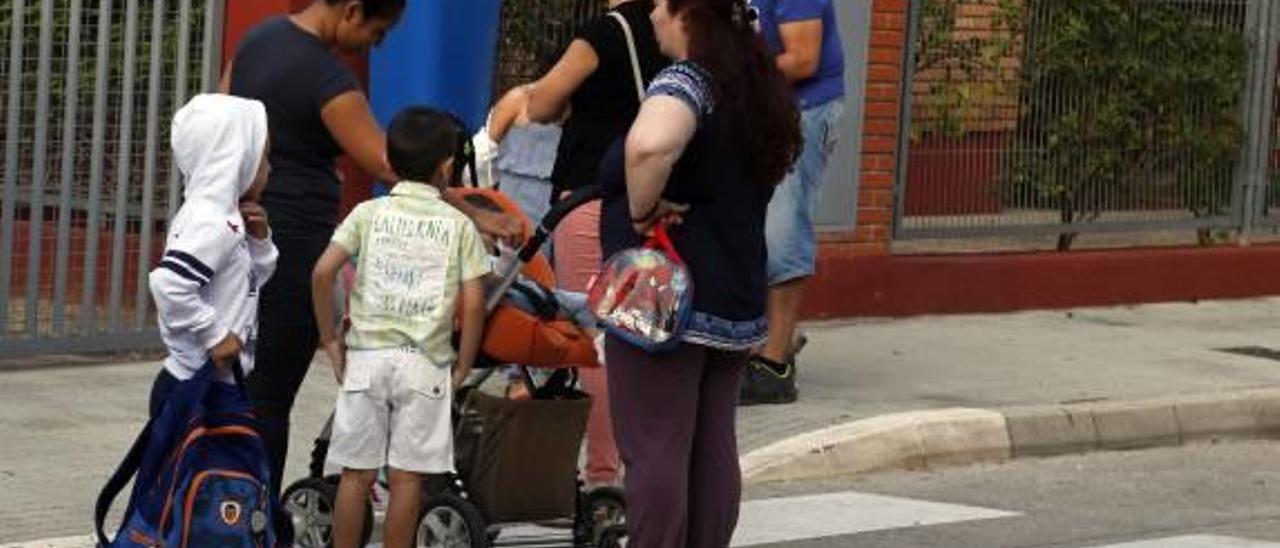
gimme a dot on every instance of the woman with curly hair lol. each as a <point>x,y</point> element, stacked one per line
<point>716,133</point>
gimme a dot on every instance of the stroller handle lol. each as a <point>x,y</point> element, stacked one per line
<point>533,245</point>
<point>554,216</point>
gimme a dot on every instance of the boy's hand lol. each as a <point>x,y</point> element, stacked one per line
<point>337,354</point>
<point>460,375</point>
<point>226,352</point>
<point>255,220</point>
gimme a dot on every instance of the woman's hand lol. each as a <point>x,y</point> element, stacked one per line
<point>664,213</point>
<point>499,225</point>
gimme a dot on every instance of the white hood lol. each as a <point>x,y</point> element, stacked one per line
<point>218,142</point>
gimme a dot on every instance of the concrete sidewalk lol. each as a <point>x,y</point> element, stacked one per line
<point>66,427</point>
<point>917,391</point>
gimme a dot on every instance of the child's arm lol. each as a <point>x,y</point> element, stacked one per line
<point>473,260</point>
<point>190,261</point>
<point>507,112</point>
<point>322,279</point>
<point>472,328</point>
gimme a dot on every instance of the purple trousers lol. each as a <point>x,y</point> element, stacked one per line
<point>674,420</point>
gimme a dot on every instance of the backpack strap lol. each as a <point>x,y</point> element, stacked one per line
<point>631,48</point>
<point>126,470</point>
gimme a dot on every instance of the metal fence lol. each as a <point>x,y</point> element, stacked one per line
<point>86,91</point>
<point>1034,118</point>
<point>533,34</point>
<point>87,185</point>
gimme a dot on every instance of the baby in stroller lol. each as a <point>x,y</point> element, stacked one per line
<point>497,441</point>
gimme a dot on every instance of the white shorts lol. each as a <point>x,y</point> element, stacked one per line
<point>393,410</point>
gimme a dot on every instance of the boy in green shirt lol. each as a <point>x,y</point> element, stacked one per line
<point>417,258</point>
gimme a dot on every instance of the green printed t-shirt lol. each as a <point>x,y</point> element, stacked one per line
<point>413,251</point>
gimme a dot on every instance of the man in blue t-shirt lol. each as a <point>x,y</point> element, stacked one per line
<point>805,37</point>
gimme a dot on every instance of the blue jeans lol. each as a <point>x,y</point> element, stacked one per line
<point>789,226</point>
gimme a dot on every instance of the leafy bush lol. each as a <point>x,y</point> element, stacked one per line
<point>1126,102</point>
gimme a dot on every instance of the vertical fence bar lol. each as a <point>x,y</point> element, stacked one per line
<point>1256,110</point>
<point>180,93</point>
<point>211,57</point>
<point>13,128</point>
<point>1273,98</point>
<point>70,104</point>
<point>39,168</point>
<point>904,117</point>
<point>123,160</point>
<point>1267,113</point>
<point>88,310</point>
<point>149,168</point>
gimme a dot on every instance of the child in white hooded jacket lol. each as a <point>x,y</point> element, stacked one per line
<point>219,252</point>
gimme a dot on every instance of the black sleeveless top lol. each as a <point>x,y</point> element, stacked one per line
<point>606,103</point>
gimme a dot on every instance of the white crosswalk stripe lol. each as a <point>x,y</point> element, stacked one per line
<point>805,518</point>
<point>837,514</point>
<point>791,519</point>
<point>1198,541</point>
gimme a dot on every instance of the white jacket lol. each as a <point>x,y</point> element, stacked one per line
<point>206,285</point>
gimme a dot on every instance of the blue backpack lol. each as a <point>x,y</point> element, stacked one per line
<point>202,475</point>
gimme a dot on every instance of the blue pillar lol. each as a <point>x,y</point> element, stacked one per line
<point>441,54</point>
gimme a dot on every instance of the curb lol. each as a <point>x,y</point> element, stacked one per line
<point>948,437</point>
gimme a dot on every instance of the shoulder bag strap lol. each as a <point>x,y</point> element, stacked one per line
<point>631,48</point>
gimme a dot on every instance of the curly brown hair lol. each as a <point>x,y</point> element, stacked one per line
<point>754,102</point>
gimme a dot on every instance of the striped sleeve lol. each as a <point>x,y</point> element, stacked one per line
<point>187,266</point>
<point>689,83</point>
<point>192,257</point>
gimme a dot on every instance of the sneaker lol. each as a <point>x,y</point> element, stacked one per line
<point>768,382</point>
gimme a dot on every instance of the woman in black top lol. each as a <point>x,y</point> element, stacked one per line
<point>596,80</point>
<point>316,111</point>
<point>716,133</point>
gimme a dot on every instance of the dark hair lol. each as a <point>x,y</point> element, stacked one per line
<point>754,103</point>
<point>375,9</point>
<point>419,140</point>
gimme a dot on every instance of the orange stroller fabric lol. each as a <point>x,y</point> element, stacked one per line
<point>514,336</point>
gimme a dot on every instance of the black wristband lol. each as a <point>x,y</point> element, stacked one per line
<point>648,216</point>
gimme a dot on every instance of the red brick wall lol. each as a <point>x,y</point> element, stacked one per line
<point>77,247</point>
<point>843,253</point>
<point>879,138</point>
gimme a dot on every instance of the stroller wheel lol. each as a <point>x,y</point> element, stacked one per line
<point>449,521</point>
<point>606,514</point>
<point>612,537</point>
<point>310,504</point>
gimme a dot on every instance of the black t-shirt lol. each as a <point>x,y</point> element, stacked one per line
<point>605,104</point>
<point>294,74</point>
